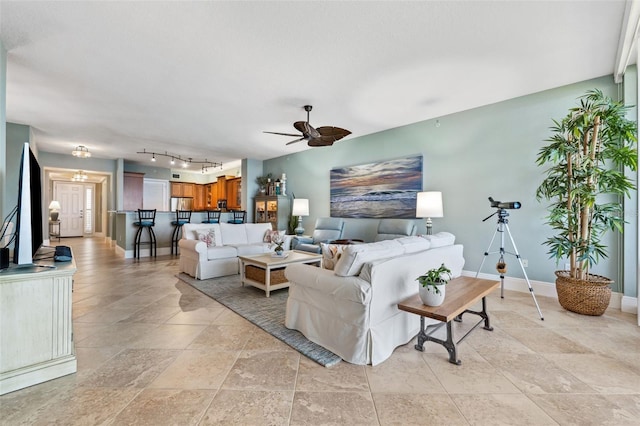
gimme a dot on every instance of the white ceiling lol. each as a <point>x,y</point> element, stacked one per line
<point>204,79</point>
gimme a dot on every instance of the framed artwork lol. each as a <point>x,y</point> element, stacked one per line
<point>385,189</point>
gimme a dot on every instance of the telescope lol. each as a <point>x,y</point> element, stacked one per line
<point>505,205</point>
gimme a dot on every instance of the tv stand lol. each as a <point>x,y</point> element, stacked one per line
<point>36,343</point>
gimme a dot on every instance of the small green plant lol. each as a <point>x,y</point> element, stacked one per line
<point>435,277</point>
<point>293,224</point>
<point>263,180</point>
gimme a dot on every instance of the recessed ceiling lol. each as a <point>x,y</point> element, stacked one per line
<point>204,79</point>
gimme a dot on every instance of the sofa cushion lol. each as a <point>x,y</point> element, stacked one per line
<point>414,244</point>
<point>255,231</point>
<point>311,248</point>
<point>249,249</point>
<point>209,238</point>
<point>234,234</point>
<point>190,231</point>
<point>440,239</point>
<point>221,252</point>
<point>356,255</point>
<point>331,253</point>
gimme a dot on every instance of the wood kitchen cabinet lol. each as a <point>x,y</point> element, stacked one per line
<point>234,193</point>
<point>200,199</point>
<point>133,189</point>
<point>182,189</point>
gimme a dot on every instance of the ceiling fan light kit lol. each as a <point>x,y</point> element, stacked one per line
<point>322,136</point>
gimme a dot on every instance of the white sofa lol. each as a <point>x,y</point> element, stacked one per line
<point>352,310</point>
<point>229,242</point>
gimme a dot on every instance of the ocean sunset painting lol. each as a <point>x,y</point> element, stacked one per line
<point>385,189</point>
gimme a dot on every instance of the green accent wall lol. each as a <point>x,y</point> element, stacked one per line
<point>469,156</point>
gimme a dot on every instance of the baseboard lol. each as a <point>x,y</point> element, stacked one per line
<point>542,288</point>
<point>629,304</point>
<point>145,252</point>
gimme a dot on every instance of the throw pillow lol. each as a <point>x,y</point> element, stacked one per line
<point>268,236</point>
<point>331,253</point>
<point>209,237</point>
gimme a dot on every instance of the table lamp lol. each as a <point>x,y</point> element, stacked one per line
<point>54,210</point>
<point>428,205</point>
<point>300,208</point>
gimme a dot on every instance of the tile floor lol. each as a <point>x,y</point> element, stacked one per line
<point>153,351</point>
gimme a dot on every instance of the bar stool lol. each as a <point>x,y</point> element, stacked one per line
<point>182,217</point>
<point>239,216</point>
<point>213,216</point>
<point>146,220</point>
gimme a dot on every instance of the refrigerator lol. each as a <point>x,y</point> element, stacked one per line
<point>181,203</point>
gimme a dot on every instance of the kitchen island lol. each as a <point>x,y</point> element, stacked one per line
<point>125,231</point>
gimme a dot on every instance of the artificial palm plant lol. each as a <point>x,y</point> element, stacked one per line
<point>585,182</point>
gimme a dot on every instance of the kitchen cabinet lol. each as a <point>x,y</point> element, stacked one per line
<point>234,193</point>
<point>182,189</point>
<point>199,200</point>
<point>133,190</point>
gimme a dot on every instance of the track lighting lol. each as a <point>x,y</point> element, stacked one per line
<point>206,164</point>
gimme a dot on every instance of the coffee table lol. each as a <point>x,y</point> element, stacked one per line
<point>266,272</point>
<point>461,293</point>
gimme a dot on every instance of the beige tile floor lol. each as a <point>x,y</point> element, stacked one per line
<point>153,351</point>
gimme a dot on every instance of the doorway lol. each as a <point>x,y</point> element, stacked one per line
<point>76,213</point>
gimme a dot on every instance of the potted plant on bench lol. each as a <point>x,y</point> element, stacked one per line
<point>432,285</point>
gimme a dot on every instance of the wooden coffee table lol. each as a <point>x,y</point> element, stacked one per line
<point>266,272</point>
<point>460,294</point>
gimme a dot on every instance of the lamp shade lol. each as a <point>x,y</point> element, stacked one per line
<point>300,207</point>
<point>55,205</point>
<point>429,204</point>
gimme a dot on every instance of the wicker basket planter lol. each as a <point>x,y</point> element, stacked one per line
<point>590,297</point>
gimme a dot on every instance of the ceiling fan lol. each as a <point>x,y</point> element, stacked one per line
<point>322,136</point>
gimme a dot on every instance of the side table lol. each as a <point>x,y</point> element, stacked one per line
<point>54,229</point>
<point>461,293</point>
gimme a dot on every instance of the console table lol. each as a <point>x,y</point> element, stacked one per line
<point>461,293</point>
<point>35,324</point>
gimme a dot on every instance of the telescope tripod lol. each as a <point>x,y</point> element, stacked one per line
<point>501,266</point>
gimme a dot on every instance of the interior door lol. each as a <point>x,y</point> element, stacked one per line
<point>71,197</point>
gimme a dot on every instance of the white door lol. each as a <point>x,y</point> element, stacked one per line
<point>71,197</point>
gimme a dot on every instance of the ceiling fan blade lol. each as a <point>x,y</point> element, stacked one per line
<point>315,142</point>
<point>332,133</point>
<point>300,126</point>
<point>282,134</point>
<point>297,140</point>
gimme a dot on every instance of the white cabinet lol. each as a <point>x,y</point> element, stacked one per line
<point>36,333</point>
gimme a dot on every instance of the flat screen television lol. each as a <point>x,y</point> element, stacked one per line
<point>29,234</point>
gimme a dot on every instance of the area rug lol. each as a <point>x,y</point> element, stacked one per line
<point>265,312</point>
